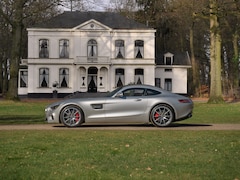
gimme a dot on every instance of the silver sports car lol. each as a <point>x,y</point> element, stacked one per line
<point>127,104</point>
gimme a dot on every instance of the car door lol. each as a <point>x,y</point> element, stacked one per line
<point>131,107</point>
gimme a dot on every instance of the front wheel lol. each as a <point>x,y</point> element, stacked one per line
<point>162,115</point>
<point>71,116</point>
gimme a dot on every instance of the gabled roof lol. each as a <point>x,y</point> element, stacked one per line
<point>179,59</point>
<point>72,19</point>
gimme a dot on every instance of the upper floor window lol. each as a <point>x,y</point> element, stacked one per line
<point>43,48</point>
<point>92,48</point>
<point>63,77</point>
<point>139,49</point>
<point>168,69</point>
<point>43,77</point>
<point>64,48</point>
<point>119,49</point>
<point>23,78</point>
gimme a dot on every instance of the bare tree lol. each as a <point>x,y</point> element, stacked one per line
<point>14,13</point>
<point>81,5</point>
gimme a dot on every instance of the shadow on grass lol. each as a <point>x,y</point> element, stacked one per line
<point>174,125</point>
<point>21,119</point>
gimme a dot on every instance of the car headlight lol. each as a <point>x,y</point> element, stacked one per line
<point>54,107</point>
<point>51,108</point>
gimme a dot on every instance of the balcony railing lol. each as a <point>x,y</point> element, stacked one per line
<point>87,60</point>
<point>84,60</point>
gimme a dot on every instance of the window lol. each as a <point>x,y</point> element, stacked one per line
<point>92,49</point>
<point>168,84</point>
<point>158,82</point>
<point>44,77</point>
<point>63,77</point>
<point>139,49</point>
<point>64,48</point>
<point>23,78</point>
<point>168,61</point>
<point>119,77</point>
<point>119,49</point>
<point>139,75</point>
<point>168,58</point>
<point>43,48</point>
<point>151,92</point>
<point>134,92</point>
<point>168,70</point>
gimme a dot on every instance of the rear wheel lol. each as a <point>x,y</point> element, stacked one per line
<point>162,115</point>
<point>71,116</point>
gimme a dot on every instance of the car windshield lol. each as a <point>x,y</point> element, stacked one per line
<point>113,92</point>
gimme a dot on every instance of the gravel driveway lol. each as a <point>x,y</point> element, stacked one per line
<point>176,126</point>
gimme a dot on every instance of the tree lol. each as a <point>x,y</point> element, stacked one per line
<point>215,54</point>
<point>189,24</point>
<point>5,47</point>
<point>230,31</point>
<point>14,13</point>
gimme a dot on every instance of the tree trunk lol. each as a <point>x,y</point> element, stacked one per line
<point>195,73</point>
<point>1,75</point>
<point>17,28</point>
<point>215,56</point>
<point>235,62</point>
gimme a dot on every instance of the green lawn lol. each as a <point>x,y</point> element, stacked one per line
<point>22,112</point>
<point>108,154</point>
<point>115,154</point>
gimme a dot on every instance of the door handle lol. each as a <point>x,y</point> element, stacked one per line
<point>139,99</point>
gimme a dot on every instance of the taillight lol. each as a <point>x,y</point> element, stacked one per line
<point>184,100</point>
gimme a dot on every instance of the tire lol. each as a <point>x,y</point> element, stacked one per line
<point>162,115</point>
<point>71,116</point>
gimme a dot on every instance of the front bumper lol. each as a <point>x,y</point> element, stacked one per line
<point>51,116</point>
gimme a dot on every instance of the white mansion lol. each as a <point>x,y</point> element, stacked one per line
<point>96,52</point>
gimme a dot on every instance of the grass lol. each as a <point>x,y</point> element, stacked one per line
<point>12,112</point>
<point>97,154</point>
<point>215,113</point>
<point>115,154</point>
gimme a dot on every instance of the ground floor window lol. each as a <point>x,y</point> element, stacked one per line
<point>63,77</point>
<point>23,78</point>
<point>158,82</point>
<point>43,77</point>
<point>168,84</point>
<point>139,76</point>
<point>119,77</point>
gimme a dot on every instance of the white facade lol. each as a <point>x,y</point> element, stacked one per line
<point>173,79</point>
<point>93,57</point>
<point>101,70</point>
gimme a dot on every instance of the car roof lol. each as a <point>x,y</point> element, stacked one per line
<point>141,86</point>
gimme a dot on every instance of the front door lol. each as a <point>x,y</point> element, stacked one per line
<point>92,79</point>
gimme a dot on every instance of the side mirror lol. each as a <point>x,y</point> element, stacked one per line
<point>120,95</point>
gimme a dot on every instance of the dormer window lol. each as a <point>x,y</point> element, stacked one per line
<point>168,59</point>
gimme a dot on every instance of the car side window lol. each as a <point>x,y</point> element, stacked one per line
<point>133,92</point>
<point>151,92</point>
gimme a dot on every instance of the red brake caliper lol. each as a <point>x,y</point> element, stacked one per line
<point>156,115</point>
<point>77,117</point>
